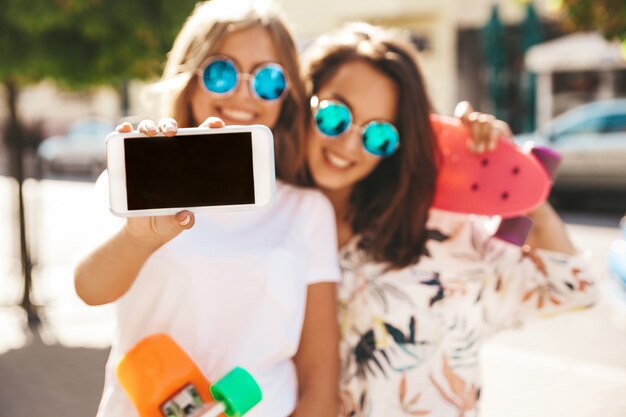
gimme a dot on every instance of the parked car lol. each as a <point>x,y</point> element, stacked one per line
<point>615,287</point>
<point>617,256</point>
<point>82,149</point>
<point>592,140</point>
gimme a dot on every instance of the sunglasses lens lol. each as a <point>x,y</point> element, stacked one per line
<point>381,138</point>
<point>332,119</point>
<point>220,76</point>
<point>269,82</point>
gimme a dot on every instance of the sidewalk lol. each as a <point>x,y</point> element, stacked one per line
<point>50,380</point>
<point>59,370</point>
<point>572,365</point>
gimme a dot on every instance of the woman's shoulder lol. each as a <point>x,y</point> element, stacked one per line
<point>301,196</point>
<point>448,222</point>
<point>460,228</point>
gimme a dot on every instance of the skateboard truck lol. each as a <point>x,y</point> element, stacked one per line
<point>514,230</point>
<point>163,381</point>
<point>226,393</point>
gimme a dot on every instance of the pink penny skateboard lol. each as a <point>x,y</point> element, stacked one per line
<point>508,182</point>
<point>163,381</point>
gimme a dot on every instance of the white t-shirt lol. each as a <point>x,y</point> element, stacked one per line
<point>231,292</point>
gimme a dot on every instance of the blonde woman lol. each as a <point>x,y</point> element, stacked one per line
<point>252,289</point>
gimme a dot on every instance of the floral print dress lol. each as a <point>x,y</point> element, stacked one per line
<point>411,337</point>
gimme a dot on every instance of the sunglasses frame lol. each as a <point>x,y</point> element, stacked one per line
<point>242,76</point>
<point>316,104</point>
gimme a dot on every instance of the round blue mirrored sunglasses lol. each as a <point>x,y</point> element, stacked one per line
<point>220,75</point>
<point>333,118</point>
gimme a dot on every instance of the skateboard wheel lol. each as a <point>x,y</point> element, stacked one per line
<point>238,391</point>
<point>548,157</point>
<point>514,230</point>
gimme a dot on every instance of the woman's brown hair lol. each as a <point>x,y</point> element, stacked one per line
<point>200,36</point>
<point>388,208</point>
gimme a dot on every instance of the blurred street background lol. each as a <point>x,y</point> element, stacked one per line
<point>555,70</point>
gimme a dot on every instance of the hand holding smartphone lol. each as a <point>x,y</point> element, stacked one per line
<point>199,169</point>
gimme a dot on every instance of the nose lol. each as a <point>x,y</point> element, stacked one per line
<point>351,139</point>
<point>244,87</point>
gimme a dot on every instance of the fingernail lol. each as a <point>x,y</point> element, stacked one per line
<point>185,221</point>
<point>169,127</point>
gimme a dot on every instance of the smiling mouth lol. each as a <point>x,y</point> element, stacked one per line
<point>337,161</point>
<point>238,116</point>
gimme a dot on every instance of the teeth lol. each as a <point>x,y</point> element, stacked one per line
<point>238,115</point>
<point>337,161</point>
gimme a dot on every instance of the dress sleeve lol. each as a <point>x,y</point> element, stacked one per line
<point>320,240</point>
<point>524,283</point>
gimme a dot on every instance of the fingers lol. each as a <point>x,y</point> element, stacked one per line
<point>167,228</point>
<point>479,126</point>
<point>485,129</point>
<point>147,127</point>
<point>155,231</point>
<point>503,128</point>
<point>213,122</point>
<point>463,110</point>
<point>185,219</point>
<point>475,122</point>
<point>486,136</point>
<point>168,126</point>
<point>124,128</point>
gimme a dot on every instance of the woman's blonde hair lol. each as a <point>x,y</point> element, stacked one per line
<point>200,36</point>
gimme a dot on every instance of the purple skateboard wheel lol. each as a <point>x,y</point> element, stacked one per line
<point>549,158</point>
<point>514,230</point>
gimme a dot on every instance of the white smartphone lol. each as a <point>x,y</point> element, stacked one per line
<point>199,169</point>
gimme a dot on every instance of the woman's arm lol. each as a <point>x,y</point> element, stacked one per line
<point>109,270</point>
<point>549,232</point>
<point>317,359</point>
<point>532,281</point>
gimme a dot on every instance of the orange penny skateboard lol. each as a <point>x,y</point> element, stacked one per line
<point>509,181</point>
<point>163,381</point>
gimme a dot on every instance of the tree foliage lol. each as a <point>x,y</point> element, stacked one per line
<point>79,43</point>
<point>606,16</point>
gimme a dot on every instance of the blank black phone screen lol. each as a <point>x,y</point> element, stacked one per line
<point>189,171</point>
